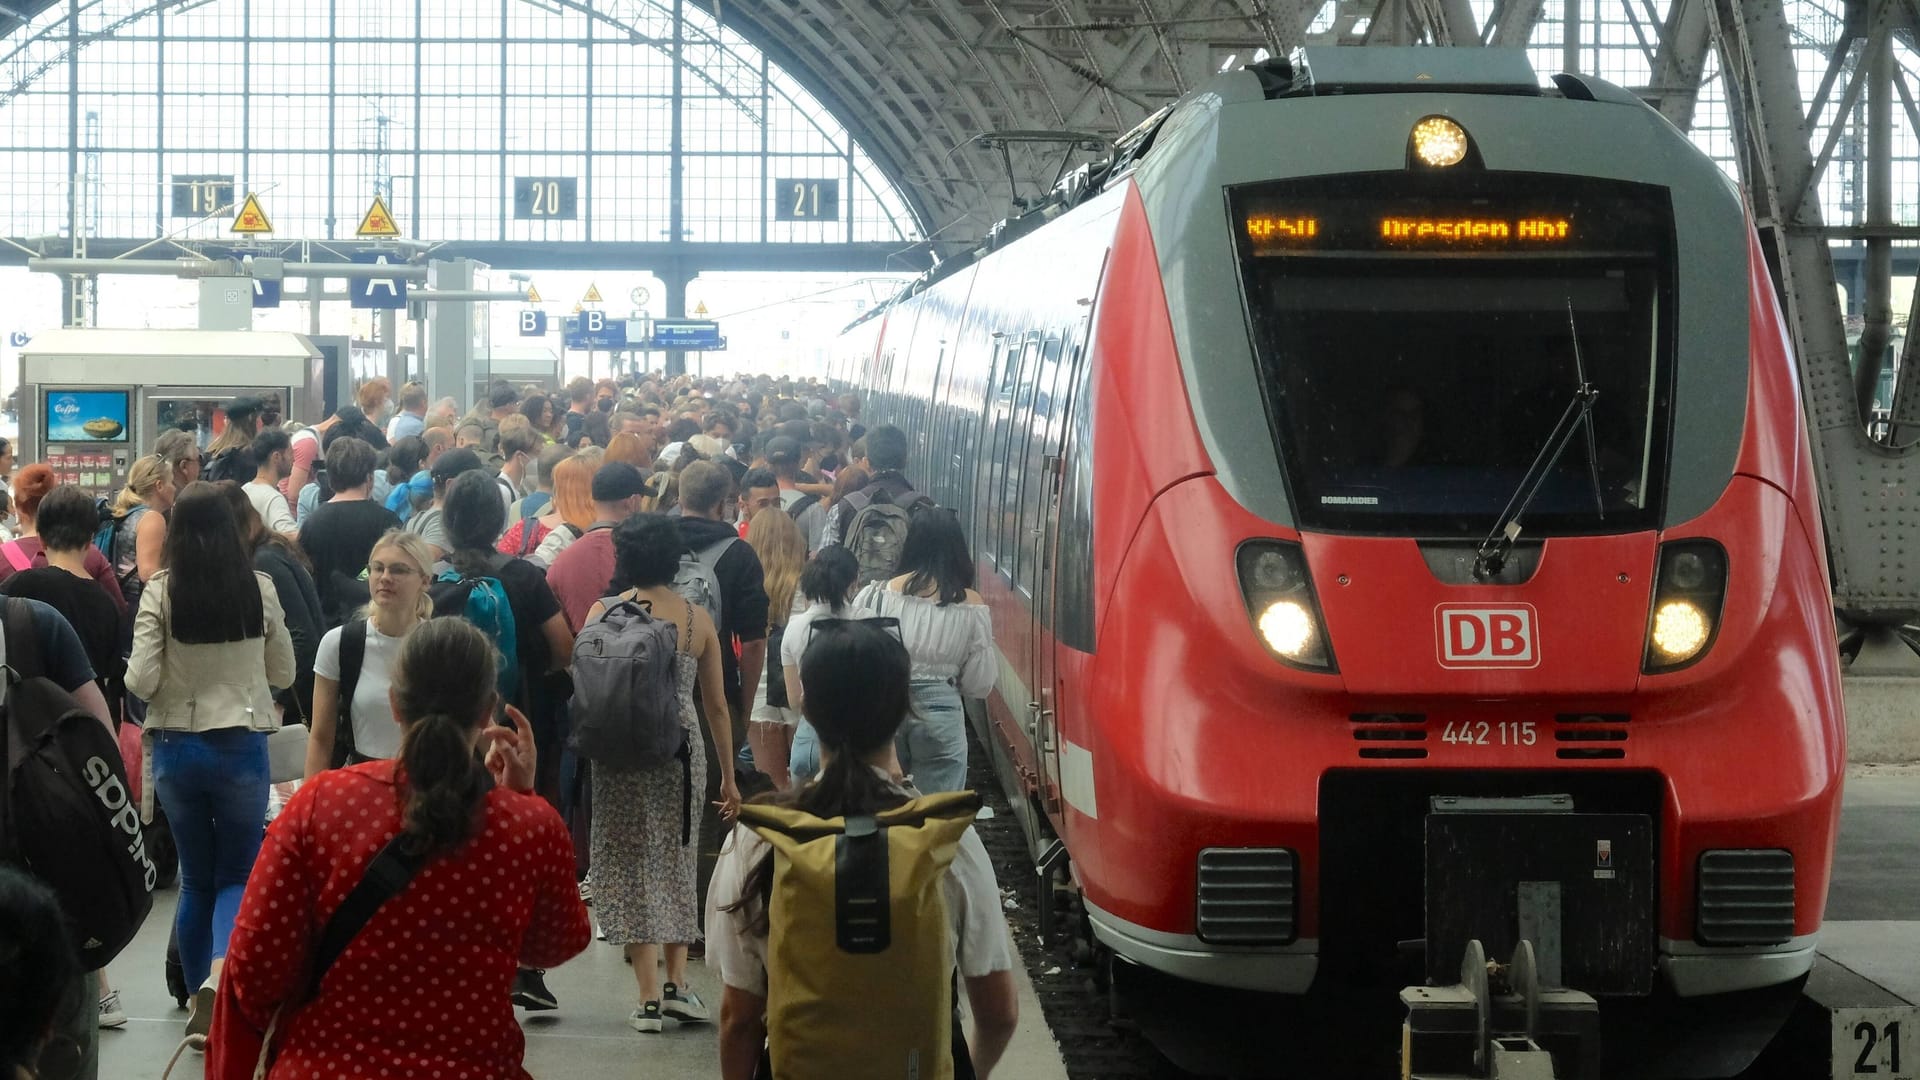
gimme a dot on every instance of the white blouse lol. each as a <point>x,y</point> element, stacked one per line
<point>946,641</point>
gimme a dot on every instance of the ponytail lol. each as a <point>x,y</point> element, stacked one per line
<point>444,784</point>
<point>443,685</point>
<point>856,679</point>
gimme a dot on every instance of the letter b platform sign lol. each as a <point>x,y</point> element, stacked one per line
<point>1487,636</point>
<point>533,323</point>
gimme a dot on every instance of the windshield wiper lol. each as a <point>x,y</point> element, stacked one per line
<point>1495,549</point>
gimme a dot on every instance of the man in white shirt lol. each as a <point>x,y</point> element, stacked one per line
<point>518,444</point>
<point>272,451</point>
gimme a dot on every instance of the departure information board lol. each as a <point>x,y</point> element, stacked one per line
<point>1399,213</point>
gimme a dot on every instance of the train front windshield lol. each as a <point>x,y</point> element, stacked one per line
<point>1418,348</point>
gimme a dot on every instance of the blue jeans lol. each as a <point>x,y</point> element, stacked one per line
<point>803,762</point>
<point>932,744</point>
<point>214,787</point>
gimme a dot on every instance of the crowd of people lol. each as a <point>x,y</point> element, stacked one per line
<point>398,593</point>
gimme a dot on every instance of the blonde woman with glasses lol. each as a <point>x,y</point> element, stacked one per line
<point>353,717</point>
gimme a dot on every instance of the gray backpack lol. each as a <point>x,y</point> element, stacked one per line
<point>626,713</point>
<point>878,531</point>
<point>697,581</point>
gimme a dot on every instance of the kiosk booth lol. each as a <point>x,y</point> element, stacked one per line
<point>94,400</point>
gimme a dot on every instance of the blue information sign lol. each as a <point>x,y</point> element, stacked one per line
<point>378,293</point>
<point>687,334</point>
<point>266,294</point>
<point>595,330</point>
<point>533,324</point>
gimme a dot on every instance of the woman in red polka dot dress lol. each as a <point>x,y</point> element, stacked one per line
<point>423,989</point>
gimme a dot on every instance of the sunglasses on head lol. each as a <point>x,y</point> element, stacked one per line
<point>885,622</point>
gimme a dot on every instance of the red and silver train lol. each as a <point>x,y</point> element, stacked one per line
<point>1388,478</point>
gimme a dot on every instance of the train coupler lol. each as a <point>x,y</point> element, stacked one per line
<point>1499,1023</point>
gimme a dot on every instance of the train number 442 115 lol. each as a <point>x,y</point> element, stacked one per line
<point>1488,733</point>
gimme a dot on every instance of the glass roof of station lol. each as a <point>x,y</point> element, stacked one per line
<point>450,109</point>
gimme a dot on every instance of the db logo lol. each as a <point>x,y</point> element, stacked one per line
<point>1477,636</point>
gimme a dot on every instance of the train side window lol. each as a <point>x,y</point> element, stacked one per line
<point>1013,543</point>
<point>1073,577</point>
<point>994,461</point>
<point>1036,486</point>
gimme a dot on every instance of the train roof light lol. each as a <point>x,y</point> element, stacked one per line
<point>1439,142</point>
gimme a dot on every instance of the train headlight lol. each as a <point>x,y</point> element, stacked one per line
<point>1278,592</point>
<point>1439,142</point>
<point>1679,630</point>
<point>1288,628</point>
<point>1688,592</point>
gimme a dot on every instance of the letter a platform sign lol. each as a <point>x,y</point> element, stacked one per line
<point>251,220</point>
<point>378,293</point>
<point>379,221</point>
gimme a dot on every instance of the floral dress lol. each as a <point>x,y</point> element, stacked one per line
<point>646,837</point>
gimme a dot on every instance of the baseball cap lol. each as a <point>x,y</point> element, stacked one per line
<point>454,462</point>
<point>244,406</point>
<point>617,480</point>
<point>782,450</point>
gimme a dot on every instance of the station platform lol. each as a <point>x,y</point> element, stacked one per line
<point>587,1038</point>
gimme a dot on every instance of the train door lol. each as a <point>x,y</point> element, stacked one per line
<point>1046,459</point>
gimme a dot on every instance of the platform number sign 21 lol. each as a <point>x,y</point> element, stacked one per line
<point>1874,1042</point>
<point>806,200</point>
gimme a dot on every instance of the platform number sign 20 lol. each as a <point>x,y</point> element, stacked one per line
<point>1873,1042</point>
<point>546,198</point>
<point>806,200</point>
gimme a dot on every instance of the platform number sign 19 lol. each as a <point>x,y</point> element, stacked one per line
<point>806,200</point>
<point>201,196</point>
<point>1875,1042</point>
<point>546,198</point>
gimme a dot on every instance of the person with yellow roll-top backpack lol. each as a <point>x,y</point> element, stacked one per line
<point>841,912</point>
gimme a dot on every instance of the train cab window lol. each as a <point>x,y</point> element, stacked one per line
<point>1420,336</point>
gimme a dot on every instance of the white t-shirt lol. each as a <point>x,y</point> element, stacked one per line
<point>981,946</point>
<point>793,641</point>
<point>272,506</point>
<point>375,733</point>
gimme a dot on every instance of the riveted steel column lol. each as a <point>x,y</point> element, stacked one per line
<point>1870,497</point>
<point>1680,61</point>
<point>1878,328</point>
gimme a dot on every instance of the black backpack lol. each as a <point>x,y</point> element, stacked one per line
<point>66,812</point>
<point>801,505</point>
<point>233,463</point>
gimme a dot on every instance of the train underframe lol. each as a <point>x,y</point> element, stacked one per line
<point>1466,857</point>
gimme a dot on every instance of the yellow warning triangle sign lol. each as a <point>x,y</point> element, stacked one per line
<point>576,309</point>
<point>533,295</point>
<point>251,218</point>
<point>700,310</point>
<point>593,295</point>
<point>379,221</point>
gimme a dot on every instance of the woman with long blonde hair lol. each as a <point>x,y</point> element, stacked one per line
<point>353,717</point>
<point>783,555</point>
<point>140,536</point>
